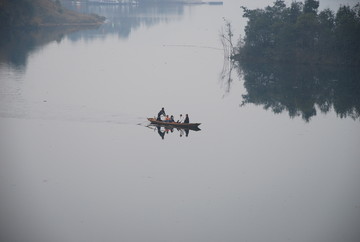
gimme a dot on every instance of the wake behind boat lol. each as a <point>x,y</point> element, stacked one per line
<point>192,126</point>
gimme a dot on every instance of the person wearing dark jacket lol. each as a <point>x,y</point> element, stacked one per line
<point>172,119</point>
<point>162,112</point>
<point>186,121</point>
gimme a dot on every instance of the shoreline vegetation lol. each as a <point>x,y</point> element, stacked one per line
<point>25,25</point>
<point>297,60</point>
<point>30,14</point>
<point>298,34</point>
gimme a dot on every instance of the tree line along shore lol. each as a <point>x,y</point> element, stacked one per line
<point>301,34</point>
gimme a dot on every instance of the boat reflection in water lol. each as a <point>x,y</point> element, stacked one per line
<point>164,130</point>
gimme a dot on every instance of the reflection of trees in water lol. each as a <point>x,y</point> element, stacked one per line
<point>301,89</point>
<point>122,19</point>
<point>226,75</point>
<point>16,45</point>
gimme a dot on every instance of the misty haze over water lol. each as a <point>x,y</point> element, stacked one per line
<point>276,159</point>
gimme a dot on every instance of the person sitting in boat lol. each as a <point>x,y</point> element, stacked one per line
<point>180,119</point>
<point>172,119</point>
<point>186,121</point>
<point>167,119</point>
<point>162,112</point>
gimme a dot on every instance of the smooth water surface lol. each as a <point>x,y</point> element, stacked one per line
<point>277,158</point>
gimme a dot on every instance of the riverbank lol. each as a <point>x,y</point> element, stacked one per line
<point>42,13</point>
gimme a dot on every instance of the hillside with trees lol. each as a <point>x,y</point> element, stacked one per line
<point>41,13</point>
<point>301,34</point>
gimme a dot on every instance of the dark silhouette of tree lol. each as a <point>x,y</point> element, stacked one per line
<point>311,6</point>
<point>347,33</point>
<point>300,34</point>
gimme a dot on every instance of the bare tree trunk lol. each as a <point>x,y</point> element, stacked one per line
<point>226,35</point>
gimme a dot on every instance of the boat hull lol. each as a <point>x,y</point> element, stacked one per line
<point>192,126</point>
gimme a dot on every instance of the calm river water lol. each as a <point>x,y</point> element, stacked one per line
<point>277,157</point>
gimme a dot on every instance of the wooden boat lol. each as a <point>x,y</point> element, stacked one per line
<point>192,126</point>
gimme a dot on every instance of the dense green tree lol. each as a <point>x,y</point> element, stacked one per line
<point>326,39</point>
<point>281,36</point>
<point>300,34</point>
<point>311,6</point>
<point>347,33</point>
<point>295,11</point>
